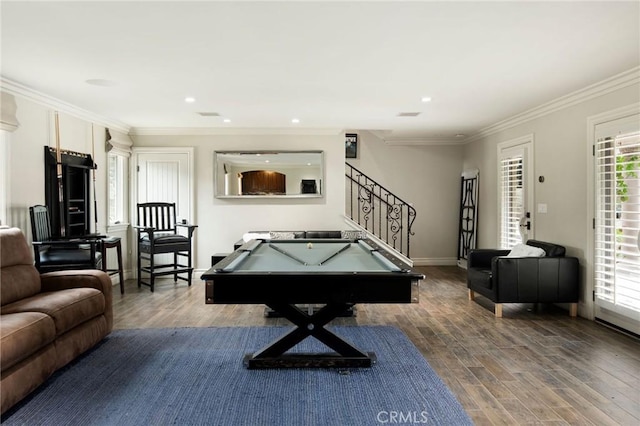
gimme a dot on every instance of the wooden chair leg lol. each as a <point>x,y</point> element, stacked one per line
<point>139,268</point>
<point>472,295</point>
<point>573,309</point>
<point>175,266</point>
<point>189,266</point>
<point>498,310</point>
<point>120,272</point>
<point>152,277</point>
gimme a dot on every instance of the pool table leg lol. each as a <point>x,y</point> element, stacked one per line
<point>273,356</point>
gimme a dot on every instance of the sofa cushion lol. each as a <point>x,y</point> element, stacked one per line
<point>18,282</point>
<point>481,277</point>
<point>524,250</point>
<point>23,334</point>
<point>552,250</point>
<point>281,235</point>
<point>352,234</point>
<point>323,234</point>
<point>66,256</point>
<point>67,308</point>
<point>18,276</point>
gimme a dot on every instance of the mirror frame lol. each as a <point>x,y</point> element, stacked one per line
<point>218,174</point>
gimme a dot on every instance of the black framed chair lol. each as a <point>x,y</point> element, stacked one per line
<point>157,233</point>
<point>59,254</point>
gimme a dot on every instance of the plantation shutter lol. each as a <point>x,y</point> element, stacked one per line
<point>617,223</point>
<point>512,199</point>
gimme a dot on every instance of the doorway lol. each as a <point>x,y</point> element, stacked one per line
<point>616,225</point>
<point>163,175</point>
<point>515,191</point>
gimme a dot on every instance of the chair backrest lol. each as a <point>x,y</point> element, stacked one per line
<point>40,223</point>
<point>161,216</point>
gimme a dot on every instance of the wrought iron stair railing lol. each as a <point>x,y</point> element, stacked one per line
<point>378,210</point>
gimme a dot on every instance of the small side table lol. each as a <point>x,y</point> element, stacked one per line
<point>113,242</point>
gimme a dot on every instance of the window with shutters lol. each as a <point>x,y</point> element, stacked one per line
<point>117,188</point>
<point>617,223</point>
<point>512,200</point>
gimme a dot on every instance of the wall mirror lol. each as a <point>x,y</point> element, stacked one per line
<point>246,174</point>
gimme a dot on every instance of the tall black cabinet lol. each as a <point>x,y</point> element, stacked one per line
<point>70,212</point>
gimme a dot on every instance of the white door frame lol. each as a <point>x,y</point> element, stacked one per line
<point>133,190</point>
<point>526,142</point>
<point>587,307</point>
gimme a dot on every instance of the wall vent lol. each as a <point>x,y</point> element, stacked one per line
<point>408,114</point>
<point>209,114</point>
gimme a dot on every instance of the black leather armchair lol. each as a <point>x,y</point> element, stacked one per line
<point>553,278</point>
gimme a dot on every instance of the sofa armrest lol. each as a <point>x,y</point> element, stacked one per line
<point>481,258</point>
<point>536,279</point>
<point>62,280</point>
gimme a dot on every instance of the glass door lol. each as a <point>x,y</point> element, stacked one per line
<point>617,223</point>
<point>515,193</point>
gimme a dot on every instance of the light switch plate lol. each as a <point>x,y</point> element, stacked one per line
<point>542,208</point>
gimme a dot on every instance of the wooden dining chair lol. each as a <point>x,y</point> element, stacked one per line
<point>157,233</point>
<point>59,254</point>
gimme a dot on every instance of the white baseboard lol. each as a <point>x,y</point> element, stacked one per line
<point>435,261</point>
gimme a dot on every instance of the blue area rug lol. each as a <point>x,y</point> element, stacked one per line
<point>195,376</point>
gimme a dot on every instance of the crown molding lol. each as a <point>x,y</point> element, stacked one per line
<point>617,82</point>
<point>388,139</point>
<point>17,89</point>
<point>424,141</point>
<point>211,131</point>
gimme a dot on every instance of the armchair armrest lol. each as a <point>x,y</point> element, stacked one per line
<point>68,242</point>
<point>190,228</point>
<point>63,280</point>
<point>481,258</point>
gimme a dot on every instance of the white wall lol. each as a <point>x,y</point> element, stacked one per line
<point>36,131</point>
<point>221,222</point>
<point>26,183</point>
<point>428,177</point>
<point>562,152</point>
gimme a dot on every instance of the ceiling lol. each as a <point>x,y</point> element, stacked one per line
<point>332,65</point>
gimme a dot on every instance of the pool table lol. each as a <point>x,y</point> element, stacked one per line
<point>332,272</point>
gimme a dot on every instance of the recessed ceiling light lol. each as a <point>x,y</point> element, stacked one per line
<point>227,120</point>
<point>100,82</point>
<point>460,135</point>
<point>266,161</point>
<point>189,99</point>
<point>425,99</point>
<point>295,120</point>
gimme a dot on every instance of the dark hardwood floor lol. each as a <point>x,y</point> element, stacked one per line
<point>536,365</point>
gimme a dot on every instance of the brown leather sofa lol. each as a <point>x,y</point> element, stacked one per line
<point>45,320</point>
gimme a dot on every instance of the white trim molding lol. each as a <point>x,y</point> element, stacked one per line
<point>617,82</point>
<point>17,89</point>
<point>435,261</point>
<point>424,141</point>
<point>212,131</point>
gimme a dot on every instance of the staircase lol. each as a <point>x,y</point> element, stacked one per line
<point>378,211</point>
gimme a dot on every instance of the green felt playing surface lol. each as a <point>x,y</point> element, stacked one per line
<point>321,257</point>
